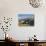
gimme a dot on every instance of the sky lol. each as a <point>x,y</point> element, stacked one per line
<point>23,16</point>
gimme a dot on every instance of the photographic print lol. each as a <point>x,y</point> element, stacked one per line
<point>26,20</point>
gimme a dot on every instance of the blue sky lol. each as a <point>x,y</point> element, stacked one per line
<point>23,16</point>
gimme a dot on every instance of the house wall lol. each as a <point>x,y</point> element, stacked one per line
<point>10,8</point>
